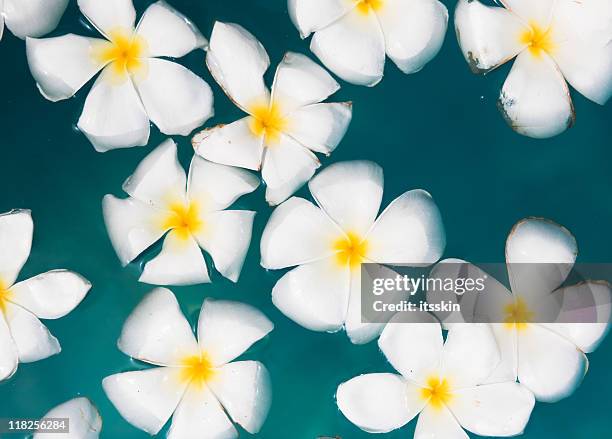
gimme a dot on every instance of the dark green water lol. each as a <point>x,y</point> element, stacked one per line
<point>438,130</point>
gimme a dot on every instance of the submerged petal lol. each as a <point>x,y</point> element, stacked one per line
<point>32,18</point>
<point>16,229</point>
<point>312,15</point>
<point>109,14</point>
<point>84,420</point>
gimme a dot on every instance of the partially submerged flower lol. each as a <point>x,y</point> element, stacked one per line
<point>283,127</point>
<point>31,18</point>
<point>197,382</point>
<point>136,85</point>
<point>553,41</point>
<point>328,243</point>
<point>443,383</point>
<point>351,37</point>
<point>51,295</point>
<point>83,420</point>
<point>189,211</point>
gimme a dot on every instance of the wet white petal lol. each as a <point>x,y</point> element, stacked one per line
<point>233,144</point>
<point>379,402</point>
<point>84,420</point>
<point>287,165</point>
<point>414,31</point>
<point>493,410</point>
<point>297,232</point>
<point>243,388</point>
<point>51,295</point>
<point>311,15</point>
<point>109,14</point>
<point>535,100</point>
<point>157,331</point>
<point>1,19</point>
<point>145,398</point>
<point>217,186</point>
<point>314,295</point>
<point>488,36</point>
<point>32,18</point>
<point>168,32</point>
<point>113,116</point>
<point>541,11</point>
<point>507,368</point>
<point>350,193</point>
<point>226,235</point>
<point>175,99</point>
<point>180,262</point>
<point>358,330</point>
<point>238,61</point>
<point>9,356</point>
<point>227,329</point>
<point>16,228</point>
<point>437,423</point>
<point>33,340</point>
<point>352,47</point>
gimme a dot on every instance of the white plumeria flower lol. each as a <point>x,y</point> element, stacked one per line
<point>282,128</point>
<point>84,421</point>
<point>189,211</point>
<point>553,41</point>
<point>545,356</point>
<point>31,18</point>
<point>442,383</point>
<point>51,295</point>
<point>135,86</point>
<point>328,243</point>
<point>197,380</point>
<point>351,37</point>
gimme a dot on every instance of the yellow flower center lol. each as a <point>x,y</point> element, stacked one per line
<point>365,6</point>
<point>537,39</point>
<point>350,250</point>
<point>124,52</point>
<point>183,219</point>
<point>197,370</point>
<point>437,393</point>
<point>517,314</point>
<point>5,295</point>
<point>268,121</point>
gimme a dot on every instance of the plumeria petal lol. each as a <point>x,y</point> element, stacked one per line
<point>529,11</point>
<point>157,332</point>
<point>233,144</point>
<point>200,415</point>
<point>1,19</point>
<point>414,31</point>
<point>409,231</point>
<point>109,14</point>
<point>33,340</point>
<point>113,115</point>
<point>16,229</point>
<point>180,262</point>
<point>85,421</point>
<point>175,98</point>
<point>287,165</point>
<point>238,61</point>
<point>297,232</point>
<point>168,32</point>
<point>507,342</point>
<point>379,402</point>
<point>9,356</point>
<point>358,330</point>
<point>227,329</point>
<point>33,18</point>
<point>535,99</point>
<point>362,179</point>
<point>352,47</point>
<point>315,295</point>
<point>62,65</point>
<point>438,423</point>
<point>226,235</point>
<point>493,410</point>
<point>487,35</point>
<point>51,295</point>
<point>312,15</point>
<point>145,398</point>
<point>243,388</point>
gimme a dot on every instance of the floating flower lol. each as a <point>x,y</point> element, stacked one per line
<point>189,211</point>
<point>442,383</point>
<point>136,85</point>
<point>328,244</point>
<point>547,355</point>
<point>553,41</point>
<point>51,295</point>
<point>282,128</point>
<point>84,421</point>
<point>351,37</point>
<point>31,18</point>
<point>197,380</point>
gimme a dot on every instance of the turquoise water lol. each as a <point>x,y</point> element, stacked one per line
<point>438,130</point>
